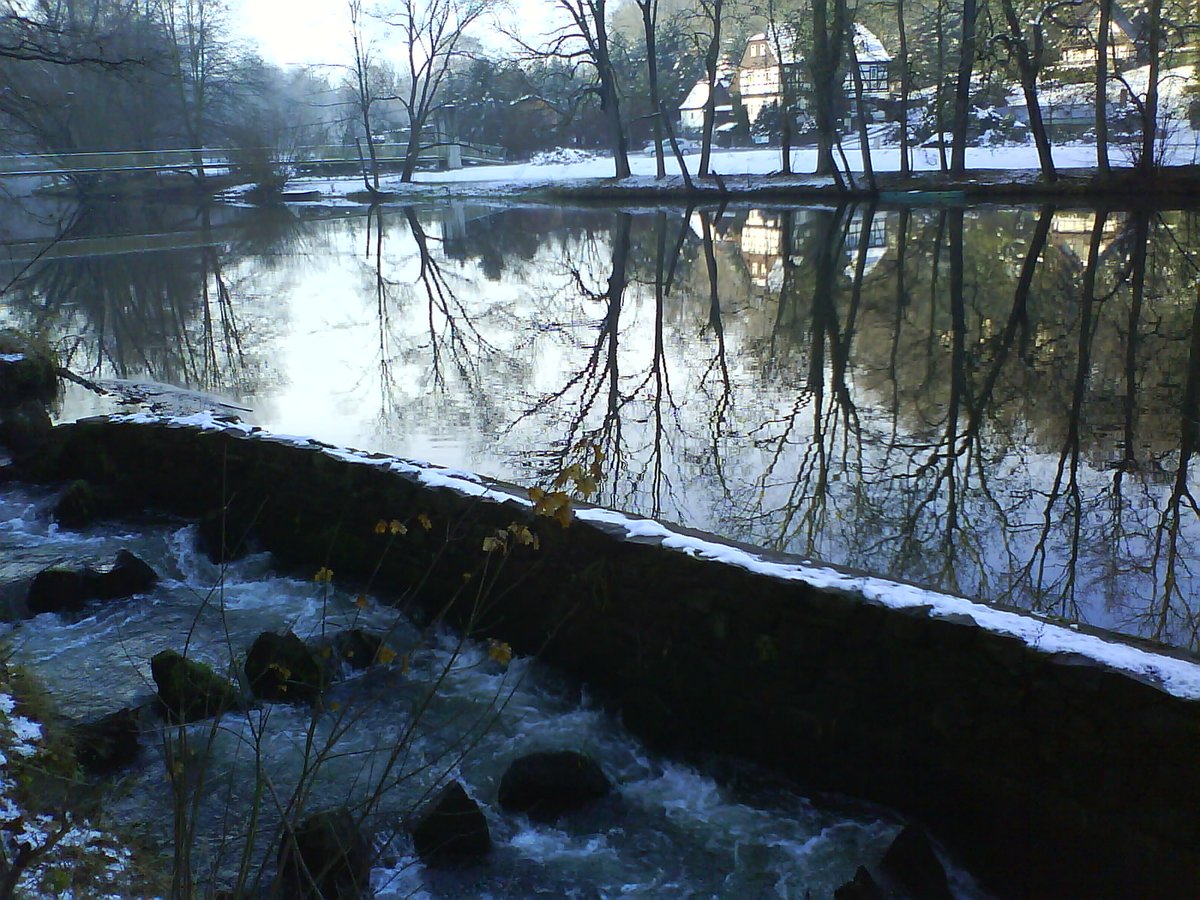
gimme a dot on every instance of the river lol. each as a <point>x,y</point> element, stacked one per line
<point>994,401</point>
<point>999,402</point>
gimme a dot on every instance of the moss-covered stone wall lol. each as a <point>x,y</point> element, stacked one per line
<point>1049,774</point>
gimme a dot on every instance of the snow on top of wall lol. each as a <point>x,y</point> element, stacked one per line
<point>1179,677</point>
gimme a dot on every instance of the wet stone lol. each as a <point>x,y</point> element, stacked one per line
<point>188,690</point>
<point>548,785</point>
<point>452,832</point>
<point>325,857</point>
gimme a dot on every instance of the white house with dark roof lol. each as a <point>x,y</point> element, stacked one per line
<point>760,72</point>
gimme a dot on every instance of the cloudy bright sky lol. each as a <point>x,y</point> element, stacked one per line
<point>305,32</point>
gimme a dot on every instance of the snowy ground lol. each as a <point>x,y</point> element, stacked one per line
<point>50,849</point>
<point>578,168</point>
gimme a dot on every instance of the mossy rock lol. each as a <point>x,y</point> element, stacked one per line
<point>78,507</point>
<point>190,691</point>
<point>27,371</point>
<point>25,428</point>
<point>357,648</point>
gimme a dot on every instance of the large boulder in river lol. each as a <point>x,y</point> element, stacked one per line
<point>911,865</point>
<point>190,690</point>
<point>357,648</point>
<point>63,590</point>
<point>281,668</point>
<point>452,831</point>
<point>107,744</point>
<point>862,887</point>
<point>225,534</point>
<point>25,428</point>
<point>547,785</point>
<point>59,590</point>
<point>325,857</point>
<point>26,372</point>
<point>77,506</point>
<point>128,575</point>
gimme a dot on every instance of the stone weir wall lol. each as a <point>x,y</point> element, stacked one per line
<point>1055,763</point>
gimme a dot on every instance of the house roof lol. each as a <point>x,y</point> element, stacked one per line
<point>867,47</point>
<point>698,96</point>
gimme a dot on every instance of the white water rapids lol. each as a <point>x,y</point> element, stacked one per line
<point>669,830</point>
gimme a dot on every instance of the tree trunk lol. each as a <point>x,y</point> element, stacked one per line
<point>711,57</point>
<point>1150,107</point>
<point>649,8</point>
<point>905,88</point>
<point>864,145</point>
<point>962,93</point>
<point>826,54</point>
<point>1102,87</point>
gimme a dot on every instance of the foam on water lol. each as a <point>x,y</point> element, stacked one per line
<point>668,829</point>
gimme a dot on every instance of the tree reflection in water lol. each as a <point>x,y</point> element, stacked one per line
<point>1001,402</point>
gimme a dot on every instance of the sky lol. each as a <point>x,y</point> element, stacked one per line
<point>310,32</point>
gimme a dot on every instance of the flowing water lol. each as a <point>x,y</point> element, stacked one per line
<point>388,734</point>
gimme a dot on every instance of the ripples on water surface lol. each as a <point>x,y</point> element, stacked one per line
<point>998,402</point>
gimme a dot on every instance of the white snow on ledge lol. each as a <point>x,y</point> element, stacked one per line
<point>1178,677</point>
<point>11,357</point>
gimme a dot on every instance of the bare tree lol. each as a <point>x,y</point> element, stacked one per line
<point>584,40</point>
<point>825,60</point>
<point>432,33</point>
<point>199,60</point>
<point>962,89</point>
<point>712,13</point>
<point>366,89</point>
<point>1024,41</point>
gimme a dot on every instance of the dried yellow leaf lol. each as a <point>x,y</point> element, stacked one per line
<point>384,654</point>
<point>500,652</point>
<point>381,527</point>
<point>361,601</point>
<point>397,527</point>
<point>424,521</point>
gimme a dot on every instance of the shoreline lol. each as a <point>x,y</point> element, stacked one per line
<point>1123,188</point>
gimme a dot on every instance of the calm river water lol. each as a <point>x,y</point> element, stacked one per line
<point>996,401</point>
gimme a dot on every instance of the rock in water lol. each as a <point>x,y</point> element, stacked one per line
<point>78,506</point>
<point>25,429</point>
<point>107,744</point>
<point>26,373</point>
<point>190,690</point>
<point>357,648</point>
<point>60,590</point>
<point>547,785</point>
<point>281,668</point>
<point>127,576</point>
<point>325,857</point>
<point>911,864</point>
<point>862,887</point>
<point>452,831</point>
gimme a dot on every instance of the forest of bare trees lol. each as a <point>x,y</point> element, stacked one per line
<point>90,75</point>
